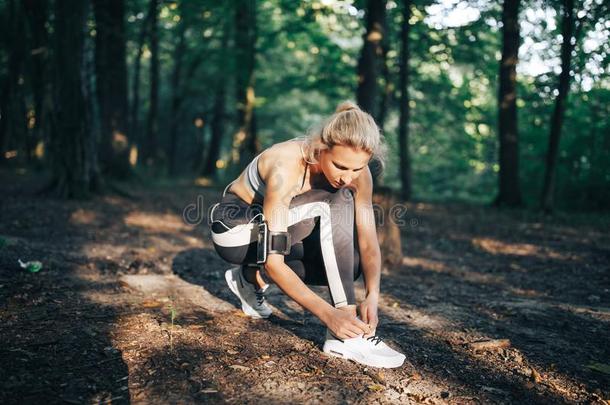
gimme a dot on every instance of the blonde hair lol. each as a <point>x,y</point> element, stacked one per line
<point>348,126</point>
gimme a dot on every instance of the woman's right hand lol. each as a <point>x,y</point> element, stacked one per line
<point>345,325</point>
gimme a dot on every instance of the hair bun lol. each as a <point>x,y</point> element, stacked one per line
<point>346,106</point>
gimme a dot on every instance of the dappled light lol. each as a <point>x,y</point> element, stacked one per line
<point>519,249</point>
<point>156,222</point>
<point>318,202</point>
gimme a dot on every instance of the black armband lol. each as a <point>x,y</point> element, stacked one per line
<point>279,242</point>
<point>271,242</point>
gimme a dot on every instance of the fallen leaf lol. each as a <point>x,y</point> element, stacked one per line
<point>232,351</point>
<point>376,387</point>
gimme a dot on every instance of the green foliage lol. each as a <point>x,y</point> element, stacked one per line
<point>306,59</point>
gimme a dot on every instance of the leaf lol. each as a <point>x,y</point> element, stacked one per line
<point>376,387</point>
<point>599,367</point>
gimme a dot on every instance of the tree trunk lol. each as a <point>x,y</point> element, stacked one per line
<point>567,46</point>
<point>509,190</point>
<point>244,142</point>
<point>218,114</point>
<point>370,58</point>
<point>152,125</point>
<point>218,119</point>
<point>134,127</point>
<point>386,92</point>
<point>36,12</point>
<point>74,162</point>
<point>111,83</point>
<point>13,124</point>
<point>403,123</point>
<point>177,94</point>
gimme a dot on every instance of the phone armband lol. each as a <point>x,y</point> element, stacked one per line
<point>271,242</point>
<point>279,242</point>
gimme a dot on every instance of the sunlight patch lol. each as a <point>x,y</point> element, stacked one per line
<point>156,222</point>
<point>496,247</point>
<point>83,217</point>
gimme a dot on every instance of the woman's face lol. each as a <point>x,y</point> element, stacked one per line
<point>341,165</point>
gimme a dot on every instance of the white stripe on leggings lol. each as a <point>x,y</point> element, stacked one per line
<point>245,234</point>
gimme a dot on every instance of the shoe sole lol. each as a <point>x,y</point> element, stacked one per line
<point>334,348</point>
<point>235,291</point>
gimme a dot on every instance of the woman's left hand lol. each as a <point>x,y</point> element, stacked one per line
<point>368,313</point>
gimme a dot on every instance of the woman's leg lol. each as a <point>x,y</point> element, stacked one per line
<point>328,257</point>
<point>322,228</point>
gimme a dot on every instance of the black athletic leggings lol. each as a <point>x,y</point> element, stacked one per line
<point>324,247</point>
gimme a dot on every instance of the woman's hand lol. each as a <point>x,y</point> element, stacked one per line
<point>368,313</point>
<point>345,325</point>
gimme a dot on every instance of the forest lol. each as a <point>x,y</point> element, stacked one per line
<point>119,116</point>
<point>472,111</point>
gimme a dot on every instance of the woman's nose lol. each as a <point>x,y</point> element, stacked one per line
<point>346,180</point>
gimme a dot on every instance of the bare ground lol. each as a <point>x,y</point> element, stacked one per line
<point>489,307</point>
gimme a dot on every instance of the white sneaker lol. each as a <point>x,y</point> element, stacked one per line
<point>252,299</point>
<point>369,351</point>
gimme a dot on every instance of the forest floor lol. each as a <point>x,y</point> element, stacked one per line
<point>489,306</point>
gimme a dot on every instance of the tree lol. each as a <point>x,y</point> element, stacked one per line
<point>218,113</point>
<point>177,94</point>
<point>567,46</point>
<point>386,92</point>
<point>13,129</point>
<point>111,85</point>
<point>134,127</point>
<point>36,12</point>
<point>245,51</point>
<point>370,58</point>
<point>74,158</point>
<point>152,125</point>
<point>509,191</point>
<point>403,123</point>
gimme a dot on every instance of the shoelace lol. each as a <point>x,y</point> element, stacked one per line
<point>260,296</point>
<point>374,339</point>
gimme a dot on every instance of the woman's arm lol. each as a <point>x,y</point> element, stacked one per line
<point>281,182</point>
<point>370,254</point>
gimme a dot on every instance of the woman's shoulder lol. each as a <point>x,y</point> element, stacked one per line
<point>285,155</point>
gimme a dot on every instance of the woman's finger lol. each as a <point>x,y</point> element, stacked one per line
<point>361,327</point>
<point>350,334</point>
<point>364,314</point>
<point>373,320</point>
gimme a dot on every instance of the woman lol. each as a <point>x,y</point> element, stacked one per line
<point>301,213</point>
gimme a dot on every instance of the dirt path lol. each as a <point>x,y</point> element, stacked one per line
<point>95,325</point>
